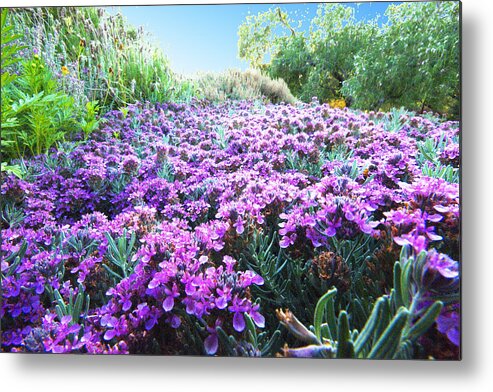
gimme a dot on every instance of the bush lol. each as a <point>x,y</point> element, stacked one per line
<point>238,85</point>
<point>411,61</point>
<point>43,114</point>
<point>35,115</point>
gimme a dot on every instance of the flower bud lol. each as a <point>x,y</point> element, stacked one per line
<point>294,326</point>
<point>439,273</point>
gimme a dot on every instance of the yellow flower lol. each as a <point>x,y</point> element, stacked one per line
<point>338,103</point>
<point>65,70</point>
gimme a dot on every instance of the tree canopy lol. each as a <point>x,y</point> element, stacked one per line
<point>411,60</point>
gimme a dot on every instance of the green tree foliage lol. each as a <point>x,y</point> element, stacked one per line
<point>292,63</point>
<point>411,61</point>
<point>313,64</point>
<point>335,39</point>
<point>262,35</point>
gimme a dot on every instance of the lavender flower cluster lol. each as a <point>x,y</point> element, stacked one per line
<point>149,216</point>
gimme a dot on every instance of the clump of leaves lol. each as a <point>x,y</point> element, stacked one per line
<point>120,255</point>
<point>392,329</point>
<point>43,114</point>
<point>90,122</point>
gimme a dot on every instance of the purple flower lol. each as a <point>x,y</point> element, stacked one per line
<point>417,242</point>
<point>169,302</point>
<point>211,342</point>
<point>238,308</point>
<point>448,323</point>
<point>224,295</point>
<point>440,273</point>
<point>230,263</point>
<point>238,225</point>
<point>287,241</point>
<point>256,316</point>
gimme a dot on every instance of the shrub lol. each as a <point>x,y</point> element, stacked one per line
<point>9,57</point>
<point>43,114</point>
<point>35,115</point>
<point>238,85</point>
<point>412,60</point>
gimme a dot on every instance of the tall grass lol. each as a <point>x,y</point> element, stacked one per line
<point>98,56</point>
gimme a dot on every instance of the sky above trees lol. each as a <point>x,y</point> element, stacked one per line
<point>204,37</point>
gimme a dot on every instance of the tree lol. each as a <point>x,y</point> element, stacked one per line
<point>262,35</point>
<point>313,64</point>
<point>335,39</point>
<point>412,62</point>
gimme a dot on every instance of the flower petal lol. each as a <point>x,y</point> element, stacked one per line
<point>238,322</point>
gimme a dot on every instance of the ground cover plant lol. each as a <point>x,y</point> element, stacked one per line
<point>260,227</point>
<point>174,225</point>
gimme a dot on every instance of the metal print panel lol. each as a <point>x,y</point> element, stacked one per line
<point>260,180</point>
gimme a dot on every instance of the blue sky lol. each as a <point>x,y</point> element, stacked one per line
<point>204,37</point>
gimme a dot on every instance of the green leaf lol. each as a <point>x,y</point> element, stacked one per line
<point>345,347</point>
<point>426,321</point>
<point>368,331</point>
<point>319,311</point>
<point>389,342</point>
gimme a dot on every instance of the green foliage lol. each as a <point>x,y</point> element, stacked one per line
<point>394,120</point>
<point>89,122</point>
<point>339,152</point>
<point>283,275</point>
<point>221,140</point>
<point>391,329</point>
<point>43,115</point>
<point>312,65</point>
<point>10,49</point>
<point>13,260</point>
<point>77,306</point>
<point>11,215</point>
<point>260,256</point>
<point>120,255</point>
<point>256,344</point>
<point>259,36</point>
<point>238,85</point>
<point>97,56</point>
<point>413,61</point>
<point>323,302</point>
<point>303,164</point>
<point>429,160</point>
<point>16,170</point>
<point>9,57</point>
<point>293,63</point>
<point>350,170</point>
<point>167,171</point>
<point>445,172</point>
<point>335,39</point>
<point>81,244</point>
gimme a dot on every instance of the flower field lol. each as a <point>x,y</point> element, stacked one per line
<point>241,228</point>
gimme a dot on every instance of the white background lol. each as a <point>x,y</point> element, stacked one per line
<point>84,373</point>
